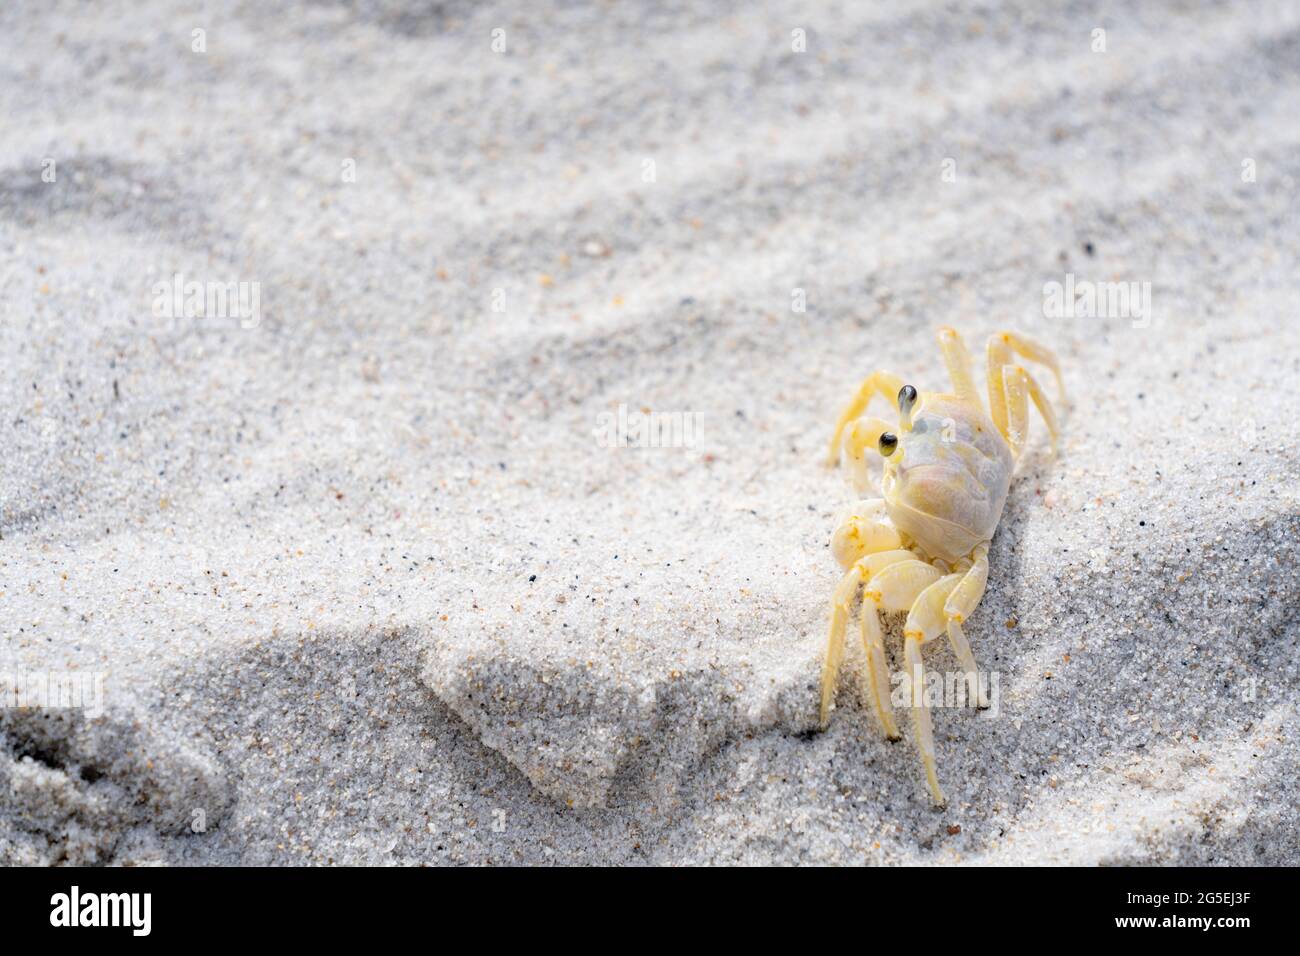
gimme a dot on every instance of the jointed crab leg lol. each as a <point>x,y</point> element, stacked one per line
<point>894,577</point>
<point>894,587</point>
<point>877,677</point>
<point>866,530</point>
<point>862,436</point>
<point>873,640</point>
<point>1017,382</point>
<point>957,359</point>
<point>926,620</point>
<point>1031,350</point>
<point>963,600</point>
<point>1008,384</point>
<point>845,594</point>
<point>877,383</point>
<point>898,580</point>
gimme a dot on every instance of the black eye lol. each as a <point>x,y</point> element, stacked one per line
<point>888,443</point>
<point>906,398</point>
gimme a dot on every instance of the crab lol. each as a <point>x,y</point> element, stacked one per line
<point>922,547</point>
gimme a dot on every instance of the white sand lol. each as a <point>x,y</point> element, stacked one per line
<point>364,585</point>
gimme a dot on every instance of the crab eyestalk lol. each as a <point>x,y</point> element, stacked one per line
<point>906,402</point>
<point>888,444</point>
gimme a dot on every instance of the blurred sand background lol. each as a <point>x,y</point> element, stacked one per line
<point>363,582</point>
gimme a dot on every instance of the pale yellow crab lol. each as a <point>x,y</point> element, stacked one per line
<point>923,547</point>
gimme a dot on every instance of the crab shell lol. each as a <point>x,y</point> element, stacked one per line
<point>946,483</point>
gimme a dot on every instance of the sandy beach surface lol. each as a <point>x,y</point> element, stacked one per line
<point>362,570</point>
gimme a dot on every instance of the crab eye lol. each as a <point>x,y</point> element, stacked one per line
<point>888,444</point>
<point>906,399</point>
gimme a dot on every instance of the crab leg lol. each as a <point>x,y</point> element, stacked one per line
<point>999,356</point>
<point>876,684</point>
<point>963,600</point>
<point>1016,431</point>
<point>865,530</point>
<point>1006,395</point>
<point>957,359</point>
<point>1031,350</point>
<point>877,383</point>
<point>893,587</point>
<point>863,435</point>
<point>868,569</point>
<point>845,594</point>
<point>1019,385</point>
<point>924,622</point>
